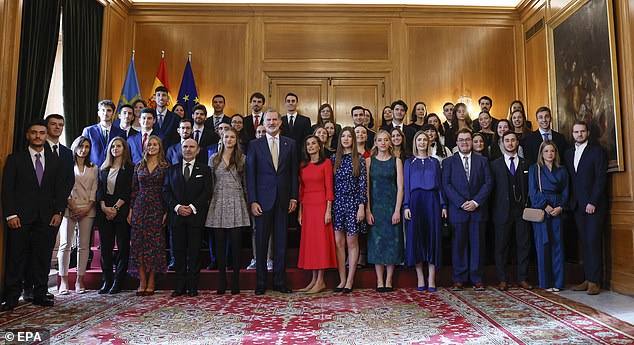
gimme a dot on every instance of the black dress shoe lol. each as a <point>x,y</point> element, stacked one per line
<point>178,293</point>
<point>388,289</point>
<point>50,295</point>
<point>220,292</point>
<point>347,290</point>
<point>43,302</point>
<point>193,293</point>
<point>7,306</point>
<point>282,289</point>
<point>380,289</point>
<point>27,295</point>
<point>212,266</point>
<point>259,292</point>
<point>235,291</point>
<point>105,288</point>
<point>337,289</point>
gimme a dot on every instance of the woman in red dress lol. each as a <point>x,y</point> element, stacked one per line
<point>317,245</point>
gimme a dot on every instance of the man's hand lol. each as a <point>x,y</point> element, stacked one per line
<point>184,211</point>
<point>469,206</point>
<point>292,206</point>
<point>256,209</point>
<point>590,209</point>
<point>14,223</point>
<point>55,221</point>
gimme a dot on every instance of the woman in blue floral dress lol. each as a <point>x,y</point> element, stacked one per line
<point>349,206</point>
<point>147,217</point>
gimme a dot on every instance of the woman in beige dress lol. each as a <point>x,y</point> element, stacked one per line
<point>228,212</point>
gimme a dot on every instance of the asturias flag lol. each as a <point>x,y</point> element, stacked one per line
<point>187,94</point>
<point>160,80</point>
<point>130,92</point>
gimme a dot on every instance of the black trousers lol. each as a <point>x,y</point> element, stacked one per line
<point>274,221</point>
<point>30,244</point>
<point>591,235</point>
<point>235,239</point>
<point>108,232</point>
<point>503,236</point>
<point>186,239</point>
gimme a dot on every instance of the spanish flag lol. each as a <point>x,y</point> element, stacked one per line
<point>160,80</point>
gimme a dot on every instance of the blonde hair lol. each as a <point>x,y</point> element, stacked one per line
<point>125,156</point>
<point>160,155</point>
<point>540,156</point>
<point>375,149</point>
<point>415,147</point>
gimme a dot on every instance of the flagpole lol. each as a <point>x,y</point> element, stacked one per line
<point>189,57</point>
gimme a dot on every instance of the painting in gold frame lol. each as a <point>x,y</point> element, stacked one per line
<point>583,74</point>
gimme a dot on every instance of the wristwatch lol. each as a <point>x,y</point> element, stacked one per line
<point>116,207</point>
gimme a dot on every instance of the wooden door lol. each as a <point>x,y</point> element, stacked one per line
<point>347,93</point>
<point>311,93</point>
<point>341,93</point>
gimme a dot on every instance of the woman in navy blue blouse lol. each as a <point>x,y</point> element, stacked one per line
<point>424,206</point>
<point>349,206</point>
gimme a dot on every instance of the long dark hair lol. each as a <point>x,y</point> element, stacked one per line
<point>356,162</point>
<point>413,114</point>
<point>440,128</point>
<point>404,150</point>
<point>236,157</point>
<point>306,156</point>
<point>467,119</point>
<point>496,136</point>
<point>440,148</point>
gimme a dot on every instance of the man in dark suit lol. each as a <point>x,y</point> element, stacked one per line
<point>272,189</point>
<point>174,153</point>
<point>186,191</point>
<point>218,117</point>
<point>138,141</point>
<point>101,133</point>
<point>588,165</point>
<point>467,184</point>
<point>33,199</point>
<point>126,119</point>
<point>399,110</point>
<point>165,121</point>
<point>203,134</point>
<point>251,122</point>
<point>545,132</point>
<point>294,125</point>
<point>510,197</point>
<point>358,119</point>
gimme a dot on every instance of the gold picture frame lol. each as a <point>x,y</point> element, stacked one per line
<point>583,74</point>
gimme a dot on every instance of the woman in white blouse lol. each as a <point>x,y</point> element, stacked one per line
<point>80,214</point>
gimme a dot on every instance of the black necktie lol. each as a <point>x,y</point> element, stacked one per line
<point>187,172</point>
<point>55,150</point>
<point>197,136</point>
<point>291,123</point>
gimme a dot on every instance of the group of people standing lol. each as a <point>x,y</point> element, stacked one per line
<point>398,185</point>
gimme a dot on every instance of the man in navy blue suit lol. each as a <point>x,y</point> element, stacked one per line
<point>138,141</point>
<point>186,191</point>
<point>467,183</point>
<point>34,193</point>
<point>174,153</point>
<point>588,165</point>
<point>101,133</point>
<point>534,139</point>
<point>272,188</point>
<point>165,121</point>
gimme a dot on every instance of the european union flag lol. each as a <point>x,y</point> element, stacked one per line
<point>187,94</point>
<point>130,92</point>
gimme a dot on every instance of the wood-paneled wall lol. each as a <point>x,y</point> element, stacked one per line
<point>238,49</point>
<point>619,232</point>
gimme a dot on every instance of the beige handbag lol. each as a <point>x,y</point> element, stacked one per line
<point>535,215</point>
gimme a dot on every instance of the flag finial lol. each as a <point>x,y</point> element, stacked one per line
<point>133,51</point>
<point>189,56</point>
<point>162,53</point>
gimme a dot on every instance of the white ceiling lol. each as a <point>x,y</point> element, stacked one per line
<point>497,3</point>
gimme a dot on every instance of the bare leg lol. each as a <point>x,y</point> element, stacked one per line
<point>150,282</point>
<point>353,252</point>
<point>420,276</point>
<point>390,274</point>
<point>432,276</point>
<point>379,269</point>
<point>142,278</point>
<point>340,242</point>
<point>63,284</point>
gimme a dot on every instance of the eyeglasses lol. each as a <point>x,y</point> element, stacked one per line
<point>464,140</point>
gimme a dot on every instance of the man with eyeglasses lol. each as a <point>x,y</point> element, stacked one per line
<point>467,183</point>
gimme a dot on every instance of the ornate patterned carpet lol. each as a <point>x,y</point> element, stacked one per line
<point>406,316</point>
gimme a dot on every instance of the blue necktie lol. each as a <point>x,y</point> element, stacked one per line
<point>512,165</point>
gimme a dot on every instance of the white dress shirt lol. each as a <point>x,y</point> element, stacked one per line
<point>191,174</point>
<point>33,158</point>
<point>507,160</point>
<point>579,148</point>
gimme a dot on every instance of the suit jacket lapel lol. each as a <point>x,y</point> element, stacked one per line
<point>29,162</point>
<point>267,152</point>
